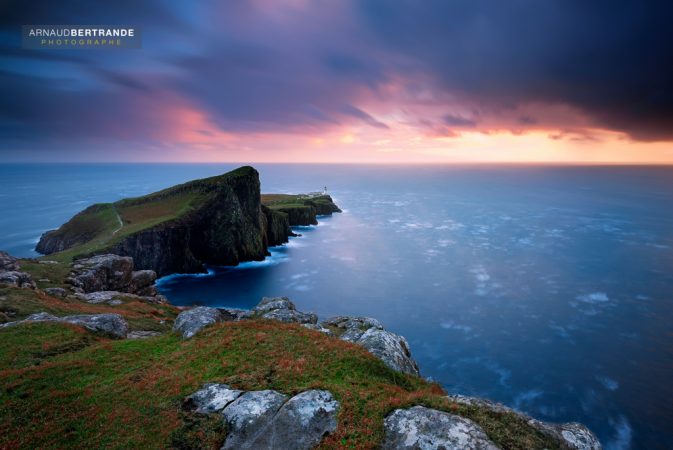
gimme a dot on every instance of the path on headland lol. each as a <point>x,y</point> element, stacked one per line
<point>119,219</point>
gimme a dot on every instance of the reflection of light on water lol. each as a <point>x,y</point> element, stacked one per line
<point>168,278</point>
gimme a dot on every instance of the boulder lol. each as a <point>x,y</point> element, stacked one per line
<point>102,273</point>
<point>56,292</point>
<point>213,397</point>
<point>283,310</point>
<point>142,334</point>
<point>17,279</point>
<point>142,282</point>
<point>249,416</point>
<point>424,428</point>
<point>8,263</point>
<point>391,348</point>
<point>300,423</point>
<point>193,320</point>
<point>571,435</point>
<point>112,324</point>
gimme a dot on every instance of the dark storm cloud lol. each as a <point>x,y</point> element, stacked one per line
<point>611,59</point>
<point>267,66</point>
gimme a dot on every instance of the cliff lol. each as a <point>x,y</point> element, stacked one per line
<point>216,221</point>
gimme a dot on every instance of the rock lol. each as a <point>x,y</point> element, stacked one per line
<point>391,348</point>
<point>347,323</point>
<point>56,292</point>
<point>270,303</point>
<point>17,279</point>
<point>112,324</point>
<point>47,261</point>
<point>300,423</point>
<point>40,317</point>
<point>572,435</point>
<point>283,310</point>
<point>236,314</point>
<point>102,273</point>
<point>8,263</point>
<point>142,282</point>
<point>142,334</point>
<point>249,416</point>
<point>193,320</point>
<point>213,397</point>
<point>427,429</point>
<point>290,316</point>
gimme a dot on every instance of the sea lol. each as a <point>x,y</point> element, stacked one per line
<point>546,288</point>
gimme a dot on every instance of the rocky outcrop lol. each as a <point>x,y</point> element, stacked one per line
<point>11,275</point>
<point>190,322</point>
<point>428,429</point>
<point>111,324</point>
<point>391,348</point>
<point>283,310</point>
<point>114,298</point>
<point>267,419</point>
<point>572,435</point>
<point>106,275</point>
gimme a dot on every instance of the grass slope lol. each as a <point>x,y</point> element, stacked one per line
<point>62,387</point>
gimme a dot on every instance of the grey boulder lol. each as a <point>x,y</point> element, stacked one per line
<point>102,273</point>
<point>283,310</point>
<point>571,435</point>
<point>213,397</point>
<point>428,429</point>
<point>17,279</point>
<point>8,263</point>
<point>112,324</point>
<point>391,348</point>
<point>301,423</point>
<point>194,320</point>
<point>56,292</point>
<point>249,416</point>
<point>142,282</point>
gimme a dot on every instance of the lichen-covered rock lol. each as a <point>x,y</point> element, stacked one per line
<point>428,429</point>
<point>283,310</point>
<point>112,324</point>
<point>17,279</point>
<point>193,320</point>
<point>301,422</point>
<point>8,263</point>
<point>391,348</point>
<point>249,416</point>
<point>318,327</point>
<point>213,397</point>
<point>102,273</point>
<point>349,323</point>
<point>570,435</point>
<point>56,292</point>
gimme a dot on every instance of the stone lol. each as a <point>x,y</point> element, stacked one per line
<point>8,263</point>
<point>112,324</point>
<point>318,327</point>
<point>270,303</point>
<point>102,273</point>
<point>56,292</point>
<point>249,416</point>
<point>17,279</point>
<point>283,310</point>
<point>424,428</point>
<point>391,348</point>
<point>348,323</point>
<point>301,423</point>
<point>572,435</point>
<point>290,316</point>
<point>211,398</point>
<point>142,282</point>
<point>41,317</point>
<point>236,314</point>
<point>142,334</point>
<point>193,320</point>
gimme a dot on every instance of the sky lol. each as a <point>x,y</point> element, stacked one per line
<point>385,81</point>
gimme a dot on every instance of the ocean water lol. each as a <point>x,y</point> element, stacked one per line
<point>549,289</point>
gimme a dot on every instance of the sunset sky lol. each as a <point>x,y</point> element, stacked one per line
<point>345,81</point>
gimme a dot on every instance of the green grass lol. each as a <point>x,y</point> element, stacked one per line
<point>62,387</point>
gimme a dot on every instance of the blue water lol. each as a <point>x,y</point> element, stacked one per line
<point>549,289</point>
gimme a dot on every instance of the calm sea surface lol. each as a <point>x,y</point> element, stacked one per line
<point>549,289</point>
